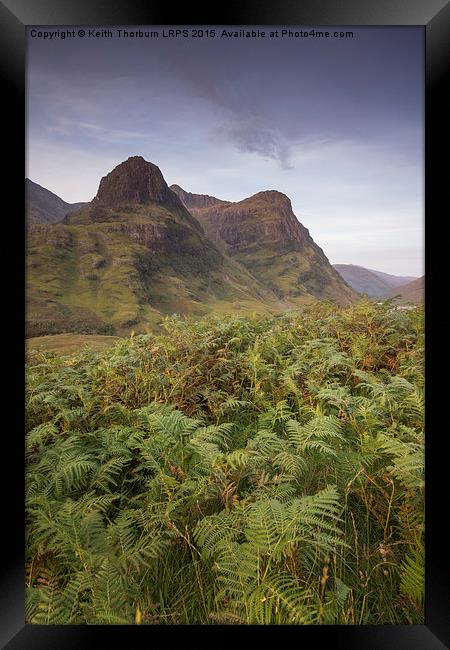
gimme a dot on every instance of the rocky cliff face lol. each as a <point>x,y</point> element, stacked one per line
<point>136,190</point>
<point>133,181</point>
<point>263,234</point>
<point>265,218</point>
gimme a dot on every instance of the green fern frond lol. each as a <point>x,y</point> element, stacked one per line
<point>412,581</point>
<point>280,598</point>
<point>210,532</point>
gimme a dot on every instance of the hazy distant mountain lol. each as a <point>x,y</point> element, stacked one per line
<point>374,283</point>
<point>412,292</point>
<point>42,206</point>
<point>263,234</point>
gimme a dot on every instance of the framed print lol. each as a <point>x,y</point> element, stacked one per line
<point>233,323</point>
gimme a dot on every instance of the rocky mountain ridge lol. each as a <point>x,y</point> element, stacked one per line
<point>191,200</point>
<point>263,234</point>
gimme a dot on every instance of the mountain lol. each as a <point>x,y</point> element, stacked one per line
<point>195,200</point>
<point>42,206</point>
<point>263,235</point>
<point>395,280</point>
<point>127,258</point>
<point>412,292</point>
<point>374,283</point>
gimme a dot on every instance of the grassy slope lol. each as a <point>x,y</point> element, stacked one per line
<point>102,276</point>
<point>69,343</point>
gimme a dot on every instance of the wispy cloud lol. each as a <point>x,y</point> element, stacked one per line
<point>252,136</point>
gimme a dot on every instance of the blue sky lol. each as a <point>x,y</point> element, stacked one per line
<point>336,124</point>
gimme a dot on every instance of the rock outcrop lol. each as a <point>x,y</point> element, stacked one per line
<point>133,181</point>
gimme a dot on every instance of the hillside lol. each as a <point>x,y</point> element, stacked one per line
<point>42,206</point>
<point>263,234</point>
<point>411,292</point>
<point>127,258</point>
<point>374,283</point>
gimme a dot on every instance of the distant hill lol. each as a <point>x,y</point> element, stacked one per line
<point>42,206</point>
<point>412,292</point>
<point>263,234</point>
<point>374,283</point>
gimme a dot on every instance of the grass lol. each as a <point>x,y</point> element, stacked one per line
<point>126,272</point>
<point>69,343</point>
<point>237,469</point>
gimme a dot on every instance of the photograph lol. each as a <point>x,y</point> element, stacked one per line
<point>225,325</point>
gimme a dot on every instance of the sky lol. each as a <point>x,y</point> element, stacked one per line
<point>336,124</point>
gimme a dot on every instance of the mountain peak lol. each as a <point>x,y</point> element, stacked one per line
<point>271,196</point>
<point>270,199</point>
<point>133,181</point>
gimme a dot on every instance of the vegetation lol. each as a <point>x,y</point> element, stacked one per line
<point>110,273</point>
<point>69,343</point>
<point>233,470</point>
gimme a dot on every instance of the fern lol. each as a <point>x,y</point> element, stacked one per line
<point>314,435</point>
<point>233,469</point>
<point>412,581</point>
<point>281,598</point>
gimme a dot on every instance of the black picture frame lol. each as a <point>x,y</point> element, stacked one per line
<point>434,16</point>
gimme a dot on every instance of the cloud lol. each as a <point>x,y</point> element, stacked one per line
<point>242,114</point>
<point>252,136</point>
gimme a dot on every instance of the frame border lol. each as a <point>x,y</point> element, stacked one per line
<point>434,16</point>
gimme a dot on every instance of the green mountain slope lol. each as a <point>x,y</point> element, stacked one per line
<point>263,234</point>
<point>129,257</point>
